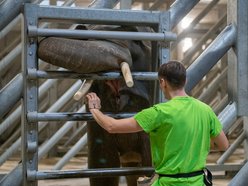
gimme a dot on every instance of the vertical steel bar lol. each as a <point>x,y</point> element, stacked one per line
<point>237,59</point>
<point>30,102</point>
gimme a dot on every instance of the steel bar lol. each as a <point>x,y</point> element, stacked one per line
<point>68,116</point>
<point>218,108</point>
<point>231,149</point>
<point>96,16</point>
<point>93,34</point>
<point>11,94</point>
<point>201,66</point>
<point>103,4</point>
<point>187,59</point>
<point>81,130</point>
<point>240,179</point>
<point>10,151</point>
<point>99,76</point>
<point>11,139</point>
<point>9,10</point>
<point>106,172</point>
<point>213,86</point>
<point>179,9</point>
<point>10,26</point>
<point>14,178</point>
<point>71,153</point>
<point>228,116</point>
<point>16,114</point>
<point>56,137</point>
<point>237,58</point>
<point>54,108</point>
<point>8,60</point>
<point>196,20</point>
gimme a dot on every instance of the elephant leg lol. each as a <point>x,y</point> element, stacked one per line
<point>101,154</point>
<point>131,159</point>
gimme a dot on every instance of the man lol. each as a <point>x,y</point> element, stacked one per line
<point>180,129</point>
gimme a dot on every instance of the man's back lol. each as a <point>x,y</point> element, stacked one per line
<point>180,131</point>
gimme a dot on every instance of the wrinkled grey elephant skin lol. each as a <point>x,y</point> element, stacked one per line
<point>84,56</point>
<point>109,150</point>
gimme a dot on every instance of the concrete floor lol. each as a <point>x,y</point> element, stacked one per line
<point>75,163</point>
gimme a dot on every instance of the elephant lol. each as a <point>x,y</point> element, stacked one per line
<point>107,150</point>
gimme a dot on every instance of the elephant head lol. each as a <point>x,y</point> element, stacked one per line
<point>87,56</point>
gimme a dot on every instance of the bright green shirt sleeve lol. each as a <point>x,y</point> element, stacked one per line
<point>147,119</point>
<point>215,125</point>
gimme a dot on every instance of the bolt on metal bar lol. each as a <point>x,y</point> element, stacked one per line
<point>93,34</point>
<point>33,74</point>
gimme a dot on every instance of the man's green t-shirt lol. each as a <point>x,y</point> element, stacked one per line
<point>180,131</point>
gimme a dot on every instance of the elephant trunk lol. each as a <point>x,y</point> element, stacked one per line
<point>84,56</point>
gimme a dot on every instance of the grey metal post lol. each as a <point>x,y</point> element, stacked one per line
<point>213,86</point>
<point>103,4</point>
<point>11,94</point>
<point>9,10</point>
<point>241,177</point>
<point>125,4</point>
<point>71,153</point>
<point>196,20</point>
<point>179,9</point>
<point>228,116</point>
<point>8,60</point>
<point>231,149</point>
<point>10,26</point>
<point>202,40</point>
<point>14,178</point>
<point>16,114</point>
<point>54,108</point>
<point>237,59</point>
<point>57,136</point>
<point>201,66</point>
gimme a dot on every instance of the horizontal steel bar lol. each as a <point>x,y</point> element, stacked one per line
<point>96,16</point>
<point>33,74</point>
<point>93,34</point>
<point>107,172</point>
<point>69,116</point>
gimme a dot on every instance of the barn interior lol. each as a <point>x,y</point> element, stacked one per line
<point>43,135</point>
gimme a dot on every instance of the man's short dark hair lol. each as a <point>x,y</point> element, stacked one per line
<point>174,72</point>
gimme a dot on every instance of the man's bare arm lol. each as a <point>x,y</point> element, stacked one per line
<point>221,141</point>
<point>127,125</point>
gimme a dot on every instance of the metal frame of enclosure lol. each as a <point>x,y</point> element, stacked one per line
<point>159,21</point>
<point>233,41</point>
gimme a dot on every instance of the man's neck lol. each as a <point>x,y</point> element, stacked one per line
<point>175,93</point>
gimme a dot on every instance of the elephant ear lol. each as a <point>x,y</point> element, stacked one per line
<point>84,56</point>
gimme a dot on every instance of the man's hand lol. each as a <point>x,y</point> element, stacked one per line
<point>94,101</point>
